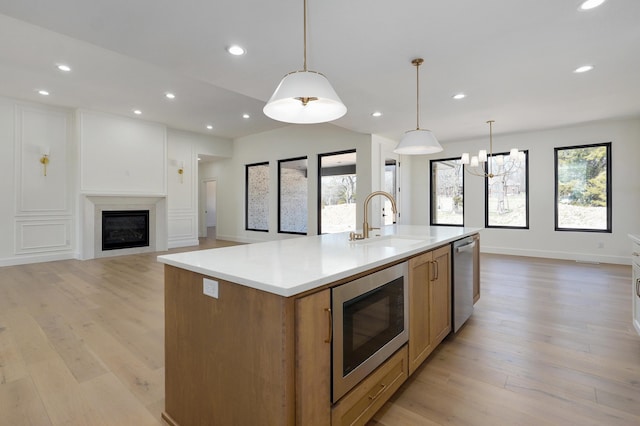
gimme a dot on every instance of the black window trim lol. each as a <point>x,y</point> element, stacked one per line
<point>280,231</point>
<point>319,192</point>
<point>486,194</point>
<point>246,197</point>
<point>431,197</point>
<point>609,229</point>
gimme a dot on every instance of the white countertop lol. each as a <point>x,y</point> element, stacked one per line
<point>295,265</point>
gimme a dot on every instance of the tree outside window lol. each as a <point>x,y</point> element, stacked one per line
<point>447,192</point>
<point>583,188</point>
<point>507,193</point>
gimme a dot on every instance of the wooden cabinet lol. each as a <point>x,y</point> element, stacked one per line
<point>636,285</point>
<point>361,403</point>
<point>313,359</point>
<point>429,303</point>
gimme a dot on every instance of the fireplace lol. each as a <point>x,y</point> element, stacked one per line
<point>122,229</point>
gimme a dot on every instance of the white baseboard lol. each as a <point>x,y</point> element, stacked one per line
<point>183,243</point>
<point>36,258</point>
<point>563,255</point>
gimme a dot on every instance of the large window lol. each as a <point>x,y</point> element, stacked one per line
<point>507,193</point>
<point>257,197</point>
<point>583,188</point>
<point>447,192</point>
<point>292,196</point>
<point>337,192</point>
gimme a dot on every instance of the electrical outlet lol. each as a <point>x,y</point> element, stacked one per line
<point>210,287</point>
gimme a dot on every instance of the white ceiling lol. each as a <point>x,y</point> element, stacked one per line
<point>514,60</point>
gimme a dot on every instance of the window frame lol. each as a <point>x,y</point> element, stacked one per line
<point>432,198</point>
<point>319,192</point>
<point>246,197</point>
<point>486,193</point>
<point>286,160</point>
<point>609,228</point>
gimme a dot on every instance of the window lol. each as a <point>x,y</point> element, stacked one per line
<point>292,196</point>
<point>337,192</point>
<point>583,188</point>
<point>257,197</point>
<point>447,192</point>
<point>507,193</point>
<point>390,185</point>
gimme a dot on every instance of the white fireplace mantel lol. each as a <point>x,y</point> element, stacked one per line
<point>94,204</point>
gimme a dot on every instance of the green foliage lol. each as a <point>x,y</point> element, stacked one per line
<point>582,176</point>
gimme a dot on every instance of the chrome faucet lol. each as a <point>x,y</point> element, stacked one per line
<point>365,225</point>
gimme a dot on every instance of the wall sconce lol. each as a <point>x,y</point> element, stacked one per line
<point>181,171</point>
<point>44,159</point>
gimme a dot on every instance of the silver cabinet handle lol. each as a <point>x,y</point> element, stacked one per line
<point>636,254</point>
<point>638,287</point>
<point>466,247</point>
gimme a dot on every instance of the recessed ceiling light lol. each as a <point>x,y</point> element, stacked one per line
<point>583,68</point>
<point>236,50</point>
<point>246,116</point>
<point>376,114</point>
<point>137,112</point>
<point>63,67</point>
<point>199,159</point>
<point>43,92</point>
<point>209,126</point>
<point>590,4</point>
<point>170,95</point>
<point>459,96</point>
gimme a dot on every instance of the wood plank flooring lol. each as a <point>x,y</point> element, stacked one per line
<point>550,342</point>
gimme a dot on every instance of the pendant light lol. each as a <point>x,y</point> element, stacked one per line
<point>305,96</point>
<point>476,164</point>
<point>418,141</point>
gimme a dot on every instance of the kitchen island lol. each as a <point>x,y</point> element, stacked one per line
<point>248,328</point>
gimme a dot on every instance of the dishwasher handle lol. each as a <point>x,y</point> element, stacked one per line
<point>466,247</point>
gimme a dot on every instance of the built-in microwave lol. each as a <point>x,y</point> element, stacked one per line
<point>370,323</point>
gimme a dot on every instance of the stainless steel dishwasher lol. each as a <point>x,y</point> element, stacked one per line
<point>463,261</point>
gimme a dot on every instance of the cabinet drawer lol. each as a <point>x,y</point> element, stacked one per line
<point>361,403</point>
<point>635,255</point>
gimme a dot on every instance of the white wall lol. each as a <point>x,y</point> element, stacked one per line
<point>183,201</point>
<point>283,143</point>
<point>92,155</point>
<point>540,239</point>
<point>36,212</point>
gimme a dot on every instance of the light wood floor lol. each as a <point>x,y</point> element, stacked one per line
<point>81,343</point>
<point>549,343</point>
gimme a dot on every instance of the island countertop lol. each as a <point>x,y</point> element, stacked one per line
<point>296,265</point>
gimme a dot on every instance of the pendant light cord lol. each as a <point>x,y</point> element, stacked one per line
<point>417,62</point>
<point>305,36</point>
<point>490,158</point>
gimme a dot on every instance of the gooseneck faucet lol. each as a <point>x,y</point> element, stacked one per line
<point>365,225</point>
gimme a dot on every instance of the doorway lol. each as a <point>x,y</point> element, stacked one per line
<point>209,203</point>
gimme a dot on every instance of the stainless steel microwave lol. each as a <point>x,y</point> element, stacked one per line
<point>370,323</point>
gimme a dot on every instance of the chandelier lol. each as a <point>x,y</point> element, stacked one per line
<point>503,166</point>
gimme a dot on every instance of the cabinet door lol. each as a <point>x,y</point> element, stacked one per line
<point>313,359</point>
<point>440,295</point>
<point>419,315</point>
